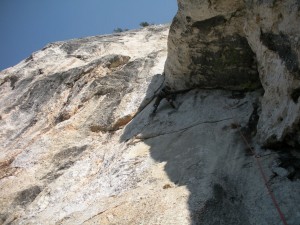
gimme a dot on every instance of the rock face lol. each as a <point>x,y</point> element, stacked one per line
<point>208,48</point>
<point>79,144</point>
<point>273,33</point>
<point>241,45</point>
<point>60,109</point>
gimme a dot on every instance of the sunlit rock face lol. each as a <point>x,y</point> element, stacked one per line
<point>59,111</point>
<point>99,74</point>
<point>242,45</point>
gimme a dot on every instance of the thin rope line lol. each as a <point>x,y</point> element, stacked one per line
<point>282,217</point>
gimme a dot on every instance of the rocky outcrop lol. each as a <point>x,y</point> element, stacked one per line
<point>241,45</point>
<point>102,75</point>
<point>79,144</point>
<point>272,31</point>
<point>61,106</point>
<point>207,47</point>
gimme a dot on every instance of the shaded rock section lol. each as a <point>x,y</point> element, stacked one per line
<point>208,48</point>
<point>273,33</point>
<point>201,149</point>
<point>241,45</point>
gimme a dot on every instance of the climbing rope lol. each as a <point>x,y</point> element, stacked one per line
<point>282,217</point>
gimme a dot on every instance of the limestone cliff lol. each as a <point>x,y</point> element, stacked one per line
<point>79,144</point>
<point>272,29</point>
<point>240,45</point>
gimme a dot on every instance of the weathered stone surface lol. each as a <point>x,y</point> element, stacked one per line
<point>207,47</point>
<point>273,31</point>
<point>79,144</point>
<point>240,45</point>
<point>103,86</point>
<point>64,103</point>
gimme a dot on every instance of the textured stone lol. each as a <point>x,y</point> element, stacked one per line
<point>79,144</point>
<point>59,108</point>
<point>272,29</point>
<point>207,47</point>
<point>242,45</point>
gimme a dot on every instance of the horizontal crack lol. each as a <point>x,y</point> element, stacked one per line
<point>101,212</point>
<point>183,129</point>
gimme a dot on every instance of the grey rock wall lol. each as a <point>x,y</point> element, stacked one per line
<point>207,47</point>
<point>242,45</point>
<point>272,29</point>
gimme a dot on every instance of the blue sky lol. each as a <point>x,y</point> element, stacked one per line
<point>28,25</point>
